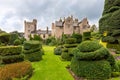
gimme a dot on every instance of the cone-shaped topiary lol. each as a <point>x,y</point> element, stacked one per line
<point>92,61</point>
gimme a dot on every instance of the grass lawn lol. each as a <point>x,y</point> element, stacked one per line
<point>51,67</point>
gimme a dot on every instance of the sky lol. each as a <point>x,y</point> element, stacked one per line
<point>14,12</point>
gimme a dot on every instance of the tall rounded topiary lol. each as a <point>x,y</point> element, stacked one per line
<point>92,61</point>
<point>110,22</point>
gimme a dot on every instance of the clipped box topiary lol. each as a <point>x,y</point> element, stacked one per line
<point>92,61</point>
<point>33,50</point>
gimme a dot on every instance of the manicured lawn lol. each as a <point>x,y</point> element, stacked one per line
<point>51,67</point>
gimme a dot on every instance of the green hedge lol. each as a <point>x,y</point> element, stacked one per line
<point>31,45</point>
<point>4,38</point>
<point>70,41</point>
<point>92,70</point>
<point>108,39</point>
<point>114,46</point>
<point>10,50</point>
<point>31,51</point>
<point>93,61</point>
<point>89,46</point>
<point>78,37</point>
<point>17,42</point>
<point>70,45</point>
<point>36,56</point>
<point>12,59</point>
<point>58,50</point>
<point>86,35</point>
<point>67,54</point>
<point>99,54</point>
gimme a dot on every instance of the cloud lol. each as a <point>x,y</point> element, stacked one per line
<point>14,12</point>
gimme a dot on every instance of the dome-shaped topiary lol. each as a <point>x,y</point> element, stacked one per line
<point>89,46</point>
<point>91,60</point>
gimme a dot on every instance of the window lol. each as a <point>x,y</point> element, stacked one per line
<point>43,35</point>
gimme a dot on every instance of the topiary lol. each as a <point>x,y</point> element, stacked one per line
<point>92,61</point>
<point>78,37</point>
<point>58,50</point>
<point>86,35</point>
<point>33,50</point>
<point>17,42</point>
<point>70,41</point>
<point>4,38</point>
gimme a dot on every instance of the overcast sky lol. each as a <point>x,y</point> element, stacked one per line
<point>14,12</point>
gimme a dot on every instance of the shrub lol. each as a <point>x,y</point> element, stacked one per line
<point>86,35</point>
<point>31,45</point>
<point>116,33</point>
<point>16,70</point>
<point>17,42</point>
<point>93,61</point>
<point>89,46</point>
<point>114,46</point>
<point>58,50</point>
<point>115,74</point>
<point>78,37</point>
<point>70,45</point>
<point>92,70</point>
<point>10,50</point>
<point>36,56</point>
<point>96,35</point>
<point>13,37</point>
<point>70,41</point>
<point>99,54</point>
<point>108,39</point>
<point>50,41</point>
<point>4,38</point>
<point>66,56</point>
<point>118,63</point>
<point>37,37</point>
<point>31,51</point>
<point>12,59</point>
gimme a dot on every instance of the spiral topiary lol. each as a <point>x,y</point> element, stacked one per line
<point>92,61</point>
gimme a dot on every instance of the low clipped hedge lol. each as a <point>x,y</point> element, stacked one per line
<point>70,45</point>
<point>31,45</point>
<point>35,56</point>
<point>16,70</point>
<point>70,41</point>
<point>58,50</point>
<point>31,51</point>
<point>12,59</point>
<point>11,54</point>
<point>67,54</point>
<point>10,50</point>
<point>92,70</point>
<point>99,54</point>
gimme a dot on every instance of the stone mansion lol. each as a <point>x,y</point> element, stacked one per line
<point>67,26</point>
